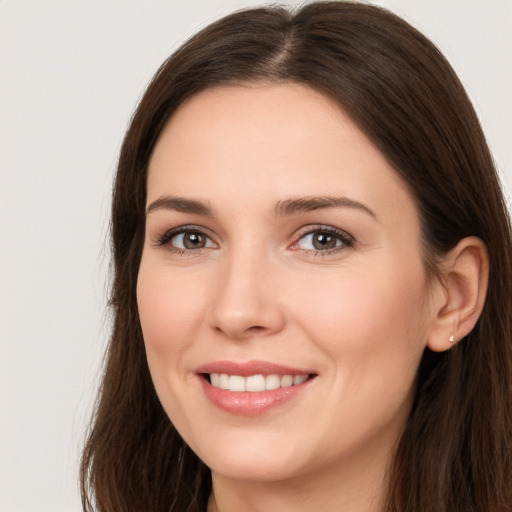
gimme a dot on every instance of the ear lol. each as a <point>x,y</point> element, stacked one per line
<point>460,294</point>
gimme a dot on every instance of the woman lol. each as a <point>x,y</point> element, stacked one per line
<point>312,279</point>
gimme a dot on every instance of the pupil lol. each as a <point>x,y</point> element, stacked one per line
<point>193,240</point>
<point>323,241</point>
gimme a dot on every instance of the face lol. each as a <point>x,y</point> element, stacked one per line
<point>282,256</point>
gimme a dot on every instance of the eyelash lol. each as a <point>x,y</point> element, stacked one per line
<point>347,241</point>
<point>167,236</point>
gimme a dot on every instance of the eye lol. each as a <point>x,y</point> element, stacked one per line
<point>186,239</point>
<point>324,240</point>
<point>189,240</point>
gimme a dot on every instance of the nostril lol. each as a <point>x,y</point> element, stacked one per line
<point>256,328</point>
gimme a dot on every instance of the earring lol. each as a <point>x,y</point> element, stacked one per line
<point>450,339</point>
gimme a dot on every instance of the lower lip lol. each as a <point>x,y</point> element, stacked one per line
<point>251,403</point>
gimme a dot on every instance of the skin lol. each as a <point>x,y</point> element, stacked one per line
<point>358,316</point>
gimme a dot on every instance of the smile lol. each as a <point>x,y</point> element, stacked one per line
<point>253,387</point>
<point>255,383</point>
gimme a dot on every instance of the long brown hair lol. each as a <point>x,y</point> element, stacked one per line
<point>455,453</point>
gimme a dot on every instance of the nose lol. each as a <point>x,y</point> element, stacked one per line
<point>245,300</point>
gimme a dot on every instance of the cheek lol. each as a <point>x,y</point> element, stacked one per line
<point>368,317</point>
<point>373,330</point>
<point>170,312</point>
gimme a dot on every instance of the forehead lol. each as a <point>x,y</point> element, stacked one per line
<point>266,116</point>
<point>269,142</point>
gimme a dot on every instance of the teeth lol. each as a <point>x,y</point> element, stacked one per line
<point>286,381</point>
<point>214,377</point>
<point>224,381</point>
<point>299,379</point>
<point>236,383</point>
<point>272,382</point>
<point>255,383</point>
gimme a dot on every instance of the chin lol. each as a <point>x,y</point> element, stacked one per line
<point>256,461</point>
<point>264,470</point>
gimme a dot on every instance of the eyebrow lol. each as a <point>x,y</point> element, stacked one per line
<point>308,204</point>
<point>283,208</point>
<point>180,204</point>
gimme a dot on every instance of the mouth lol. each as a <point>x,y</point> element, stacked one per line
<point>254,387</point>
<point>255,383</point>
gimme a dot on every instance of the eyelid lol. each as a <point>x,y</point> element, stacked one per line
<point>346,238</point>
<point>164,238</point>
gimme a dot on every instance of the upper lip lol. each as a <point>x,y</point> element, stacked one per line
<point>248,368</point>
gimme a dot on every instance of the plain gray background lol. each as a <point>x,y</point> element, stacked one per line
<point>71,73</point>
